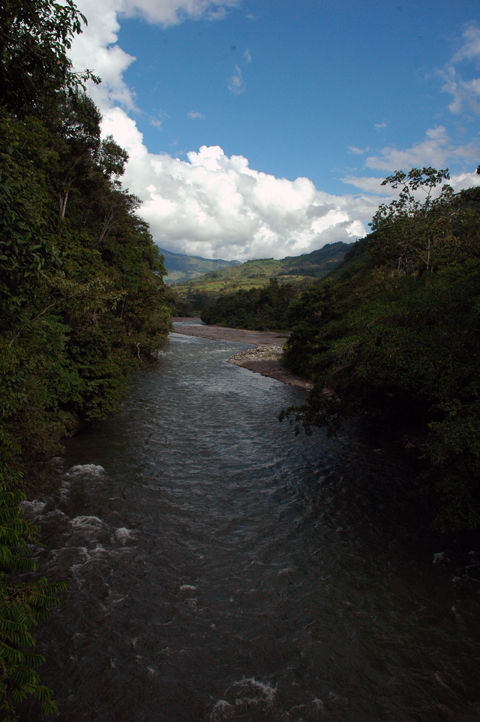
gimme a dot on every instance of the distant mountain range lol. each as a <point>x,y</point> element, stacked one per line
<point>212,272</point>
<point>181,267</point>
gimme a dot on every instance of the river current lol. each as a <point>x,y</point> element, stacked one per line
<point>221,568</point>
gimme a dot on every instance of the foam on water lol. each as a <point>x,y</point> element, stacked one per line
<point>251,691</point>
<point>222,711</point>
<point>86,469</point>
<point>34,507</point>
<point>87,522</point>
<point>123,535</point>
<point>76,474</point>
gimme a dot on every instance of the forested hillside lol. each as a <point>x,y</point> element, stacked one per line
<point>82,297</point>
<point>259,309</point>
<point>394,335</point>
<point>241,285</point>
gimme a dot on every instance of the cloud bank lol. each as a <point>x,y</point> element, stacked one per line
<point>209,204</point>
<point>216,206</point>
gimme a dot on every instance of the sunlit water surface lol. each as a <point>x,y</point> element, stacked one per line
<point>220,568</point>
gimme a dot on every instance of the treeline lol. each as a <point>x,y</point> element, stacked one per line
<point>82,297</point>
<point>194,295</point>
<point>261,309</point>
<point>394,334</point>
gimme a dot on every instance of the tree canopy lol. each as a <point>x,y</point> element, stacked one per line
<point>394,335</point>
<point>82,297</point>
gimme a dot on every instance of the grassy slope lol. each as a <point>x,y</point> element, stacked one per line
<point>297,270</point>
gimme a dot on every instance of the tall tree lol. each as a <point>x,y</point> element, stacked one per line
<point>34,39</point>
<point>418,224</point>
<point>82,298</point>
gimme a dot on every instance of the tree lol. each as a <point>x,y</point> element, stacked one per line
<point>22,606</point>
<point>34,39</point>
<point>82,298</point>
<point>393,336</point>
<point>412,229</point>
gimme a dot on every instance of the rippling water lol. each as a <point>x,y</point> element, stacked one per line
<point>220,568</point>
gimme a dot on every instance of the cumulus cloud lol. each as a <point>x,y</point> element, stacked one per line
<point>208,204</point>
<point>96,49</point>
<point>470,47</point>
<point>216,206</point>
<point>458,181</point>
<point>367,184</point>
<point>195,115</point>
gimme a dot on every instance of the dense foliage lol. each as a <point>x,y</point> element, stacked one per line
<point>193,296</point>
<point>395,334</point>
<point>82,298</point>
<point>260,309</point>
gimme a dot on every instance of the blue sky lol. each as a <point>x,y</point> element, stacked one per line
<point>260,129</point>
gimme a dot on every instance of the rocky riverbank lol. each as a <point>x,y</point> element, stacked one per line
<point>264,358</point>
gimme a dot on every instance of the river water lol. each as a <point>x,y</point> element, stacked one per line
<point>220,568</point>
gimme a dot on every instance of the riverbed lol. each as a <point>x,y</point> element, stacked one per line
<point>263,356</point>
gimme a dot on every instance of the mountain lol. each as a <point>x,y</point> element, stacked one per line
<point>181,267</point>
<point>298,270</point>
<point>295,272</point>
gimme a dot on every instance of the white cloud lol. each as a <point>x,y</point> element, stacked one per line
<point>217,206</point>
<point>236,83</point>
<point>462,181</point>
<point>358,151</point>
<point>458,181</point>
<point>367,184</point>
<point>435,150</point>
<point>173,12</point>
<point>96,50</point>
<point>379,126</point>
<point>470,48</point>
<point>195,115</point>
<point>465,91</point>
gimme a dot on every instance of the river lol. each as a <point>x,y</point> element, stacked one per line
<point>221,568</point>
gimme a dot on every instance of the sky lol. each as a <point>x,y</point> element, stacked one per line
<point>264,128</point>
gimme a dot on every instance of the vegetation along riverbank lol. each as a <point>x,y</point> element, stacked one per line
<point>392,332</point>
<point>82,297</point>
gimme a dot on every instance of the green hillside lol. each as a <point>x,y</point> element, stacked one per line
<point>299,271</point>
<point>392,337</point>
<point>181,267</point>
